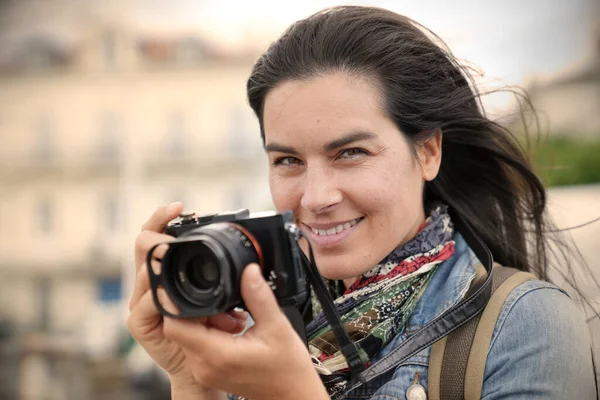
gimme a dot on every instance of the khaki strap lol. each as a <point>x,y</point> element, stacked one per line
<point>454,366</point>
<point>458,346</point>
<point>439,351</point>
<point>435,368</point>
<point>483,335</point>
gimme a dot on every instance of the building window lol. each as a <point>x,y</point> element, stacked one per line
<point>41,53</point>
<point>175,134</point>
<point>110,213</point>
<point>108,136</point>
<point>45,216</point>
<point>44,139</point>
<point>188,51</point>
<point>109,290</point>
<point>43,290</point>
<point>109,45</point>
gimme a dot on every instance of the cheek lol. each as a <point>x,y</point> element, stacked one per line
<point>283,192</point>
<point>394,190</point>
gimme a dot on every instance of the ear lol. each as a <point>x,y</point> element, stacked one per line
<point>430,155</point>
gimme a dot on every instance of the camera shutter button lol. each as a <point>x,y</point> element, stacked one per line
<point>187,217</point>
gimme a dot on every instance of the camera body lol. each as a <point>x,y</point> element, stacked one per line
<point>201,270</point>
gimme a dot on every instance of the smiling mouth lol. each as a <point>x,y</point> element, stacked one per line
<point>337,229</point>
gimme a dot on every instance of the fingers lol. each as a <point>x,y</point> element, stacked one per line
<point>161,217</point>
<point>155,224</point>
<point>258,296</point>
<point>201,339</point>
<point>226,323</point>
<point>144,319</point>
<point>166,302</point>
<point>208,335</point>
<point>142,284</point>
<point>241,315</point>
<point>145,241</point>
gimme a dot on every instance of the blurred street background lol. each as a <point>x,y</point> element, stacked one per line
<point>109,109</point>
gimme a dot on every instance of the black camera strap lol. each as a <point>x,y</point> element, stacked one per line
<point>348,348</point>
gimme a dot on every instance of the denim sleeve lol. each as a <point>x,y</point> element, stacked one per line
<point>540,348</point>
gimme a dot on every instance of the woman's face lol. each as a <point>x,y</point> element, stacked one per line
<point>345,170</point>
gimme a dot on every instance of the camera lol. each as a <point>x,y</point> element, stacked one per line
<point>202,268</point>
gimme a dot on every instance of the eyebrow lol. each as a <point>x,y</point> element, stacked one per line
<point>334,144</point>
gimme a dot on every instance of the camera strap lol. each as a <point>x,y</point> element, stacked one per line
<point>348,348</point>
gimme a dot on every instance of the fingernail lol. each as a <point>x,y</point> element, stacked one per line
<point>173,206</point>
<point>241,325</point>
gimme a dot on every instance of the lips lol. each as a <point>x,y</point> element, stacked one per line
<point>328,231</point>
<point>333,234</point>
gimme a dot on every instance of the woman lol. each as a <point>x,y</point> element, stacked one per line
<point>373,132</point>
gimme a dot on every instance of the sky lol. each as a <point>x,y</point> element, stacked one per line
<point>511,40</point>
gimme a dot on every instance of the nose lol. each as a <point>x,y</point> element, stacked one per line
<point>321,192</point>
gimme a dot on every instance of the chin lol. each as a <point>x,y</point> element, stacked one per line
<point>338,266</point>
<point>339,271</point>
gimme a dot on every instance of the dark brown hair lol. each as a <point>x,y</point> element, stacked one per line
<point>484,175</point>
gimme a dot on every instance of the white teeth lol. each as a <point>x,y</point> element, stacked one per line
<point>337,229</point>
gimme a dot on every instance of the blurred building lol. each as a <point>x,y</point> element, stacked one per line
<point>99,125</point>
<point>571,101</point>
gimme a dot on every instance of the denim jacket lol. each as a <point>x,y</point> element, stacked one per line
<point>540,347</point>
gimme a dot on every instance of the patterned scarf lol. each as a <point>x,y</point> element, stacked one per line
<point>378,305</point>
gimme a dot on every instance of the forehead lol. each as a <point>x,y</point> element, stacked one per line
<point>322,106</point>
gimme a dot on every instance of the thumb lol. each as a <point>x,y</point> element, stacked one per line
<point>258,296</point>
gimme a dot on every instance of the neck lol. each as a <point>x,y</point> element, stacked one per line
<point>349,281</point>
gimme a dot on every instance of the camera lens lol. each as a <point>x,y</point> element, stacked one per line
<point>202,271</point>
<point>199,270</point>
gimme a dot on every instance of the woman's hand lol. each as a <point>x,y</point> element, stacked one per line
<point>146,324</point>
<point>269,361</point>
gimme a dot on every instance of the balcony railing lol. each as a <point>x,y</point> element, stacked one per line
<point>24,169</point>
<point>15,168</point>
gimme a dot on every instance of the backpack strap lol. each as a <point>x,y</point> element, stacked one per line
<point>438,361</point>
<point>485,330</point>
<point>457,362</point>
